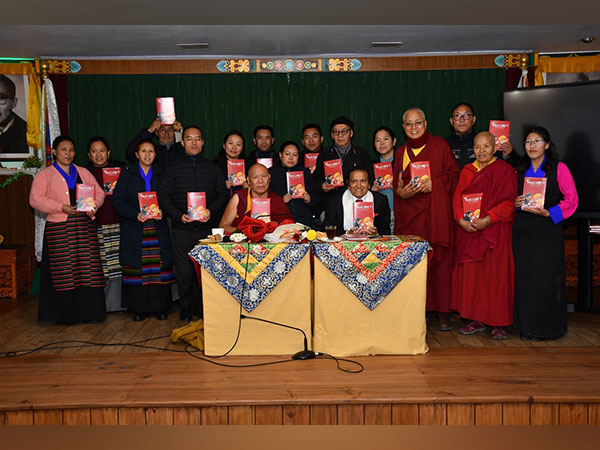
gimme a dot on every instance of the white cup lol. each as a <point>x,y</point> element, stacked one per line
<point>220,231</point>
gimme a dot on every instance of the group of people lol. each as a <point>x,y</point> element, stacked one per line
<point>488,272</point>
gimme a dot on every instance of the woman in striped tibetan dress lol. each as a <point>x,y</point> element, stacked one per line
<point>104,170</point>
<point>72,281</point>
<point>145,250</point>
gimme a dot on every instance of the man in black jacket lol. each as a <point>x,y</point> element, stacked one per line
<point>167,149</point>
<point>190,172</point>
<point>263,139</point>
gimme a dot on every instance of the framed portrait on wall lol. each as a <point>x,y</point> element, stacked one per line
<point>13,117</point>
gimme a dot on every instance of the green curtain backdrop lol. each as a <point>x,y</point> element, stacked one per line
<point>118,106</point>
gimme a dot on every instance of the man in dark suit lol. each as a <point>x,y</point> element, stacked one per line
<point>13,129</point>
<point>340,210</point>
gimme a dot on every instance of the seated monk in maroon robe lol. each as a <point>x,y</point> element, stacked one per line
<point>483,278</point>
<point>240,203</point>
<point>424,208</point>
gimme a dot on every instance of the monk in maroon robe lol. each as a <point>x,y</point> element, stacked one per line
<point>483,277</point>
<point>424,207</point>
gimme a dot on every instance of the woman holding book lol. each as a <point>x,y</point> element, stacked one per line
<point>145,250</point>
<point>538,246</point>
<point>384,141</point>
<point>72,281</point>
<point>233,150</point>
<point>106,171</point>
<point>241,203</point>
<point>293,183</point>
<point>483,275</point>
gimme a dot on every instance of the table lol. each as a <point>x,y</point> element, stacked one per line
<point>370,297</point>
<point>277,288</point>
<point>17,270</point>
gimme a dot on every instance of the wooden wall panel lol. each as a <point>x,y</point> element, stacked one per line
<point>241,415</point>
<point>544,414</point>
<point>323,414</point>
<point>432,414</point>
<point>405,414</point>
<point>488,414</point>
<point>187,416</point>
<point>159,416</point>
<point>296,415</point>
<point>48,417</point>
<point>268,415</point>
<point>378,414</point>
<point>515,414</point>
<point>132,416</point>
<point>19,418</point>
<point>351,414</point>
<point>573,414</point>
<point>215,415</point>
<point>76,416</point>
<point>594,414</point>
<point>460,414</point>
<point>104,416</point>
<point>2,418</point>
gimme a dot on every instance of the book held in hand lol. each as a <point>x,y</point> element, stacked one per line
<point>419,171</point>
<point>310,161</point>
<point>501,130</point>
<point>165,109</point>
<point>267,162</point>
<point>196,206</point>
<point>148,202</point>
<point>472,206</point>
<point>295,184</point>
<point>110,175</point>
<point>534,192</point>
<point>363,216</point>
<point>384,176</point>
<point>236,171</point>
<point>85,195</point>
<point>333,172</point>
<point>261,209</point>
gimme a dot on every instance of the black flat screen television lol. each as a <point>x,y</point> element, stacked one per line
<point>571,113</point>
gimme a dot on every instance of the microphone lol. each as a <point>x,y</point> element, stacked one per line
<point>302,354</point>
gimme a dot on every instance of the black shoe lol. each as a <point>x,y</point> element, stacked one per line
<point>138,317</point>
<point>161,316</point>
<point>185,315</point>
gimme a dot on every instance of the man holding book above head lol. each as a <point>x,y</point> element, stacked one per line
<point>192,189</point>
<point>358,210</point>
<point>461,141</point>
<point>166,137</point>
<point>256,201</point>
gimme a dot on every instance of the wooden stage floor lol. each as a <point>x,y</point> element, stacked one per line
<point>463,379</point>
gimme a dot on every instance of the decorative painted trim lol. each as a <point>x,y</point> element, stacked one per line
<point>520,60</point>
<point>62,66</point>
<point>288,65</point>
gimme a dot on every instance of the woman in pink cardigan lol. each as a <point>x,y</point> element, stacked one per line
<point>72,281</point>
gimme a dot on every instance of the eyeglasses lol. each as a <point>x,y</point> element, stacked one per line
<point>465,116</point>
<point>340,132</point>
<point>531,142</point>
<point>4,98</point>
<point>418,124</point>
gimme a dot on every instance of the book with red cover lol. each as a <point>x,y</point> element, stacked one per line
<point>165,109</point>
<point>261,209</point>
<point>148,204</point>
<point>236,171</point>
<point>500,129</point>
<point>196,206</point>
<point>85,195</point>
<point>334,175</point>
<point>534,192</point>
<point>383,174</point>
<point>363,215</point>
<point>267,162</point>
<point>110,175</point>
<point>310,161</point>
<point>295,184</point>
<point>419,171</point>
<point>472,206</point>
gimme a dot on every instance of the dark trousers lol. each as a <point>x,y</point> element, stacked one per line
<point>190,293</point>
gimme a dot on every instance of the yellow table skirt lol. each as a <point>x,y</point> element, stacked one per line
<point>343,326</point>
<point>288,303</point>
